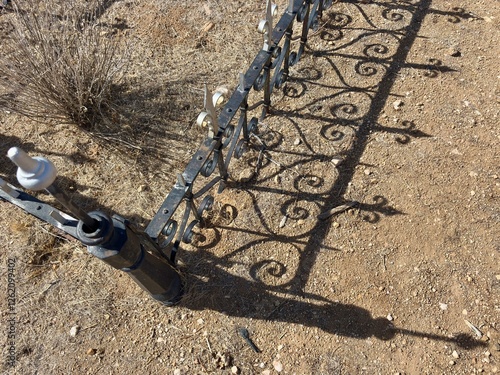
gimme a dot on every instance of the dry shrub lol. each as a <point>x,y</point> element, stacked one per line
<point>59,63</point>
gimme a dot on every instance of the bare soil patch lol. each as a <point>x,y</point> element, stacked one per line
<point>395,106</point>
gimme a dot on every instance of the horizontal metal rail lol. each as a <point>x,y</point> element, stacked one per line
<point>268,71</point>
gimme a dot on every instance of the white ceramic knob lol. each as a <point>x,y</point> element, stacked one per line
<point>33,173</point>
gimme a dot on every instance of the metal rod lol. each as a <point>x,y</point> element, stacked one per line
<point>62,198</point>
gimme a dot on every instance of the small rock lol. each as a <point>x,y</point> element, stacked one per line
<point>390,318</point>
<point>277,179</point>
<point>397,104</point>
<point>452,363</point>
<point>443,306</point>
<point>367,172</point>
<point>91,351</point>
<point>74,331</point>
<point>336,160</point>
<point>266,372</point>
<point>235,370</point>
<point>297,142</point>
<point>497,277</point>
<point>454,52</point>
<point>177,371</point>
<point>277,365</point>
<point>455,354</point>
<point>200,321</point>
<point>335,224</point>
<point>142,188</point>
<point>246,175</point>
<point>283,221</point>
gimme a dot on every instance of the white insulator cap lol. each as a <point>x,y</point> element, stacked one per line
<point>33,173</point>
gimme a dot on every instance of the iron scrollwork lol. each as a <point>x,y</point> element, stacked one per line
<point>230,131</point>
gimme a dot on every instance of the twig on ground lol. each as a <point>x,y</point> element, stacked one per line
<point>336,210</point>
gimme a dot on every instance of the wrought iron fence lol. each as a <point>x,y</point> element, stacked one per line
<point>230,133</point>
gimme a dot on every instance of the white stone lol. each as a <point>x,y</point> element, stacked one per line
<point>74,331</point>
<point>277,365</point>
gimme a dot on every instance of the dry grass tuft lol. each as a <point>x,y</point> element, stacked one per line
<point>58,63</point>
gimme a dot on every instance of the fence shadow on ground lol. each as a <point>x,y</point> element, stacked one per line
<point>355,101</point>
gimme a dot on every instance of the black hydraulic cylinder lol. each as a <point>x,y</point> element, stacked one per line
<point>115,243</point>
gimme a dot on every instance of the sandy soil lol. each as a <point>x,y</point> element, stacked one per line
<point>395,106</point>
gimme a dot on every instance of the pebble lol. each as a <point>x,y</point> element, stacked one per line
<point>235,370</point>
<point>246,175</point>
<point>277,365</point>
<point>200,321</point>
<point>452,363</point>
<point>367,172</point>
<point>91,351</point>
<point>336,161</point>
<point>454,52</point>
<point>443,306</point>
<point>397,104</point>
<point>177,371</point>
<point>283,221</point>
<point>142,188</point>
<point>297,142</point>
<point>74,331</point>
<point>335,224</point>
<point>455,354</point>
<point>266,372</point>
<point>390,318</point>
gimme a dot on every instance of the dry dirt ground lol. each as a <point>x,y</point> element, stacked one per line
<point>395,106</point>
